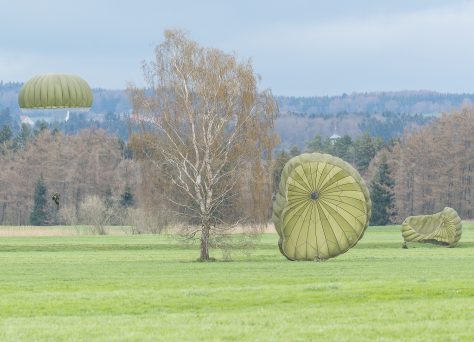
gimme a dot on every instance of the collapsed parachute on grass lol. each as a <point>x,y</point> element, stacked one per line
<point>443,228</point>
<point>53,91</point>
<point>322,207</point>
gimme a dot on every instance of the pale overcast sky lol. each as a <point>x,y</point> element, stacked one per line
<point>301,48</point>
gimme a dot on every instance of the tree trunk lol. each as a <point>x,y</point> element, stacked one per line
<point>205,242</point>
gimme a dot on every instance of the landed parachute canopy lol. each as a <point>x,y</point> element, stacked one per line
<point>53,91</point>
<point>322,207</point>
<point>443,228</point>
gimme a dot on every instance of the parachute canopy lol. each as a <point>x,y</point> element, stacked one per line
<point>53,91</point>
<point>322,207</point>
<point>443,228</point>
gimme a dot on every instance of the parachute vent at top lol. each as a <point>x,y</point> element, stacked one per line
<point>52,91</point>
<point>322,207</point>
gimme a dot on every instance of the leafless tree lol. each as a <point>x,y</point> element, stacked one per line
<point>206,128</point>
<point>76,167</point>
<point>434,166</point>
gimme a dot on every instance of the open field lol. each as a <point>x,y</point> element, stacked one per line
<point>149,288</point>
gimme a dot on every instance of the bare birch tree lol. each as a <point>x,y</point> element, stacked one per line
<point>206,128</point>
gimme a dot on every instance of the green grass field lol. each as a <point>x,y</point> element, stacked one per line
<point>149,288</point>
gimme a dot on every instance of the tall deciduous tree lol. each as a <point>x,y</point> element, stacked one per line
<point>433,167</point>
<point>23,136</point>
<point>75,167</point>
<point>209,131</point>
<point>281,159</point>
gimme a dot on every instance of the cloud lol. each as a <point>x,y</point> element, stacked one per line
<point>299,47</point>
<point>384,29</point>
<point>100,70</point>
<point>415,49</point>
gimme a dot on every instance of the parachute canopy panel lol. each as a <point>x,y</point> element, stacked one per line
<point>322,207</point>
<point>52,91</point>
<point>443,228</point>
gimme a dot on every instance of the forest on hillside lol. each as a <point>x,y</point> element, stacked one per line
<point>382,114</point>
<point>409,102</point>
<point>380,134</point>
<point>423,171</point>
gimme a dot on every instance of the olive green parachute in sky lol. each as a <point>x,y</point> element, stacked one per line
<point>322,207</point>
<point>443,228</point>
<point>53,91</point>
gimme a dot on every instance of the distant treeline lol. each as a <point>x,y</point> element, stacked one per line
<point>296,130</point>
<point>381,114</point>
<point>410,102</point>
<point>105,100</point>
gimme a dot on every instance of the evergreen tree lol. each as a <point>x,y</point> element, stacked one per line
<point>109,198</point>
<point>5,134</point>
<point>343,148</point>
<point>358,152</point>
<point>295,151</point>
<point>382,195</point>
<point>320,145</point>
<point>40,126</point>
<point>39,215</point>
<point>316,145</point>
<point>365,149</point>
<point>127,199</point>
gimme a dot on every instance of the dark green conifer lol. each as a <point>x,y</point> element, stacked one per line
<point>381,193</point>
<point>39,215</point>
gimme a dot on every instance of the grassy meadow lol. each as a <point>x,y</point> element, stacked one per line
<point>150,288</point>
